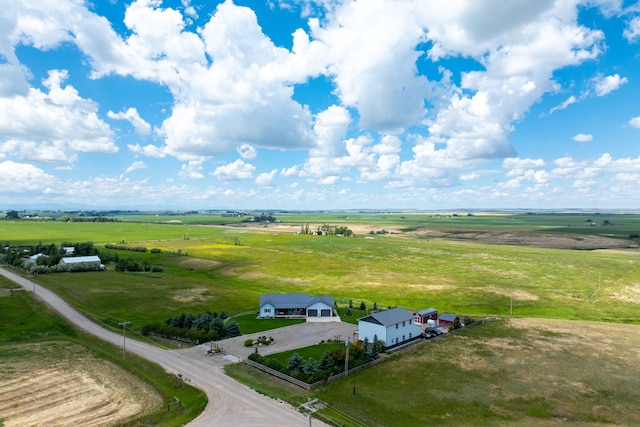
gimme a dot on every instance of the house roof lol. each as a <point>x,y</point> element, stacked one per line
<point>79,259</point>
<point>447,317</point>
<point>388,317</point>
<point>427,311</point>
<point>293,300</point>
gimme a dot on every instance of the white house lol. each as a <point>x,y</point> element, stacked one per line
<point>296,305</point>
<point>395,327</point>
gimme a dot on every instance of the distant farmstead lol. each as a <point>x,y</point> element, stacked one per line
<point>297,305</point>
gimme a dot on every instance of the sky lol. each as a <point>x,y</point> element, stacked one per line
<point>320,104</point>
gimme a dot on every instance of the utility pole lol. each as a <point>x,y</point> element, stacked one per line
<point>124,336</point>
<point>346,358</point>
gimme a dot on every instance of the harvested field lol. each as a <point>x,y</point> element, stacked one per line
<point>539,240</point>
<point>62,384</point>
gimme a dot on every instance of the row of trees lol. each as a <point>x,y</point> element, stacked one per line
<point>331,362</point>
<point>201,327</point>
<point>328,230</point>
<point>129,264</point>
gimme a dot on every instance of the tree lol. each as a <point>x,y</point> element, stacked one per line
<point>363,306</point>
<point>375,306</point>
<point>13,215</point>
<point>309,367</point>
<point>217,326</point>
<point>326,362</point>
<point>350,303</point>
<point>232,330</point>
<point>295,362</point>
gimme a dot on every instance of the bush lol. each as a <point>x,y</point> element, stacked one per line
<point>248,343</point>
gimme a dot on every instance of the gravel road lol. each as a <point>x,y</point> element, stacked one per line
<point>230,403</point>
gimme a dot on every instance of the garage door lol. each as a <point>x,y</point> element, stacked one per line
<point>325,312</point>
<point>312,313</point>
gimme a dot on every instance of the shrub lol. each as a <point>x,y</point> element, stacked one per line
<point>248,343</point>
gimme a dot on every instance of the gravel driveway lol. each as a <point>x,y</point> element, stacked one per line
<point>287,338</point>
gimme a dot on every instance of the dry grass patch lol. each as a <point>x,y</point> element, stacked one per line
<point>516,294</point>
<point>190,295</point>
<point>61,384</point>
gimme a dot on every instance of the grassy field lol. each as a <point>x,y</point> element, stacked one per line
<point>522,374</point>
<point>519,373</point>
<point>461,277</point>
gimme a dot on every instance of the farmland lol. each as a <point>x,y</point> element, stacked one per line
<point>577,269</point>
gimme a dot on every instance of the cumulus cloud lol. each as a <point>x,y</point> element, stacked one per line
<point>247,152</point>
<point>191,170</point>
<point>234,171</point>
<point>266,179</point>
<point>605,85</point>
<point>583,137</point>
<point>131,115</point>
<point>635,122</point>
<point>19,177</point>
<point>53,126</point>
<point>149,150</point>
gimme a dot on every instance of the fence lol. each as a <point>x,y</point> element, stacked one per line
<point>305,385</point>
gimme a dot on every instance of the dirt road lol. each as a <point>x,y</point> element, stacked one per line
<point>230,403</point>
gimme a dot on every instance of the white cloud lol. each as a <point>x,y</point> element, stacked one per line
<point>635,122</point>
<point>289,172</point>
<point>234,171</point>
<point>247,152</point>
<point>571,100</point>
<point>53,126</point>
<point>148,150</point>
<point>135,166</point>
<point>583,137</point>
<point>21,177</point>
<point>265,179</point>
<point>632,32</point>
<point>131,115</point>
<point>191,170</point>
<point>605,85</point>
<point>329,180</point>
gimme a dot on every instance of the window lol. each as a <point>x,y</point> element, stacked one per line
<point>404,324</point>
<point>409,334</point>
<point>404,337</point>
<point>267,310</point>
<point>396,326</point>
<point>396,340</point>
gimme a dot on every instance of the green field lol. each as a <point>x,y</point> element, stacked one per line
<point>479,265</point>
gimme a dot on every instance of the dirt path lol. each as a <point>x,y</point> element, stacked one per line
<point>230,404</point>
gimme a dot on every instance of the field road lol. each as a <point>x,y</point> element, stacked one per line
<point>230,403</point>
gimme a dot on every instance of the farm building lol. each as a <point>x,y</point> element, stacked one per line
<point>423,316</point>
<point>394,327</point>
<point>87,260</point>
<point>297,305</point>
<point>447,319</point>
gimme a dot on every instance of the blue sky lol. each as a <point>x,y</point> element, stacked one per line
<point>327,104</point>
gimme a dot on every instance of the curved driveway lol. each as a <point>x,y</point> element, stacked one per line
<point>230,403</point>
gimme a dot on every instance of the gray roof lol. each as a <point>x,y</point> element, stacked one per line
<point>427,311</point>
<point>79,259</point>
<point>389,317</point>
<point>293,300</point>
<point>447,317</point>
